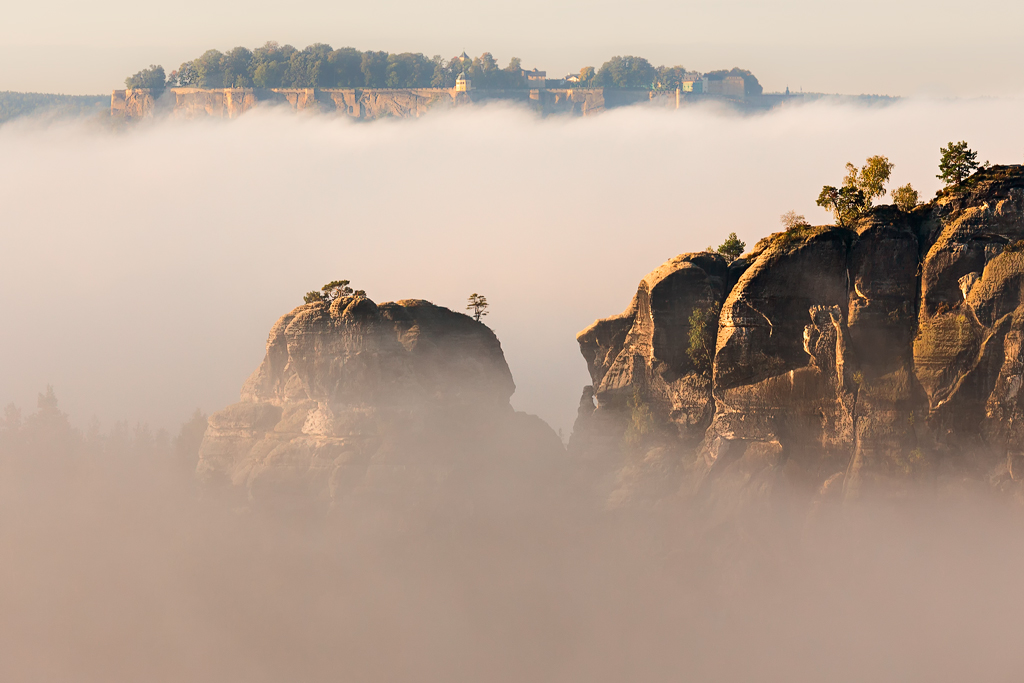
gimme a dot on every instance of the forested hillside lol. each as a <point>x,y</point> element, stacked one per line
<point>15,104</point>
<point>321,66</point>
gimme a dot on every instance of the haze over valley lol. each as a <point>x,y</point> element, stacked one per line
<point>661,343</point>
<point>196,235</point>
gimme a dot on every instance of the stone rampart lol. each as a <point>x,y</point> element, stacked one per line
<point>375,103</point>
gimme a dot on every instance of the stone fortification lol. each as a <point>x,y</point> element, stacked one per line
<point>847,361</point>
<point>358,103</point>
<point>369,103</point>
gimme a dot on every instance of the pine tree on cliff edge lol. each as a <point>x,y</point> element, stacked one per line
<point>957,163</point>
<point>478,304</point>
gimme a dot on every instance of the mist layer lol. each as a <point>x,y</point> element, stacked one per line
<point>142,268</point>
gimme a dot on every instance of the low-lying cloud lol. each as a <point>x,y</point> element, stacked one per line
<point>142,268</point>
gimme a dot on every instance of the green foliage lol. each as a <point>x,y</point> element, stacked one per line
<point>641,422</point>
<point>152,78</point>
<point>374,67</point>
<point>315,66</point>
<point>335,289</point>
<point>751,86</point>
<point>860,187</point>
<point>870,179</point>
<point>478,304</point>
<point>702,337</point>
<point>846,203</point>
<point>905,198</point>
<point>732,247</point>
<point>321,66</point>
<point>956,163</point>
<point>626,72</point>
<point>15,104</point>
<point>669,77</point>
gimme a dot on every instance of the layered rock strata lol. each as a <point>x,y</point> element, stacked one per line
<point>352,398</point>
<point>846,361</point>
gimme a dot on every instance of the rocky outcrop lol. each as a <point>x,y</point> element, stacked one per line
<point>401,399</point>
<point>647,386</point>
<point>847,361</point>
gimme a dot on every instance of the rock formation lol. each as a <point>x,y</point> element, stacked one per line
<point>403,399</point>
<point>847,361</point>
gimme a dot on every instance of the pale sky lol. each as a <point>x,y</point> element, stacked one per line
<point>942,47</point>
<point>186,240</point>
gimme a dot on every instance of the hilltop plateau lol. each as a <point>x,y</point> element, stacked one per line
<point>846,361</point>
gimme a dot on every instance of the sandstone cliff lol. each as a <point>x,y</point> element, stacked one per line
<point>402,399</point>
<point>846,361</point>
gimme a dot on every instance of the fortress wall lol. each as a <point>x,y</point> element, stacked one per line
<point>375,103</point>
<point>355,102</point>
<point>616,97</point>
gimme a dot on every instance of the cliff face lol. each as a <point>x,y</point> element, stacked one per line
<point>355,399</point>
<point>846,361</point>
<point>362,103</point>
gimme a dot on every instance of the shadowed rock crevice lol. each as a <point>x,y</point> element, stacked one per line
<point>847,361</point>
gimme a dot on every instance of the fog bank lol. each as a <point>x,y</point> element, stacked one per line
<point>142,269</point>
<point>117,568</point>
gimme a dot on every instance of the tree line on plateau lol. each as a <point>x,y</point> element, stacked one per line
<point>860,189</point>
<point>321,66</point>
<point>862,186</point>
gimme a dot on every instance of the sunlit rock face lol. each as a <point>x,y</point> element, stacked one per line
<point>356,398</point>
<point>847,361</point>
<point>646,384</point>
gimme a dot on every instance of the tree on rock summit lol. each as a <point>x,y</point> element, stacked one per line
<point>335,289</point>
<point>957,162</point>
<point>732,247</point>
<point>478,304</point>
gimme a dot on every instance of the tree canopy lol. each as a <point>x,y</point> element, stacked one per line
<point>905,198</point>
<point>870,179</point>
<point>956,163</point>
<point>846,203</point>
<point>751,86</point>
<point>153,78</point>
<point>478,304</point>
<point>732,247</point>
<point>860,187</point>
<point>335,289</point>
<point>626,72</point>
<point>321,66</point>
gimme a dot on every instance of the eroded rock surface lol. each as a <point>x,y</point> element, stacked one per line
<point>847,361</point>
<point>359,399</point>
